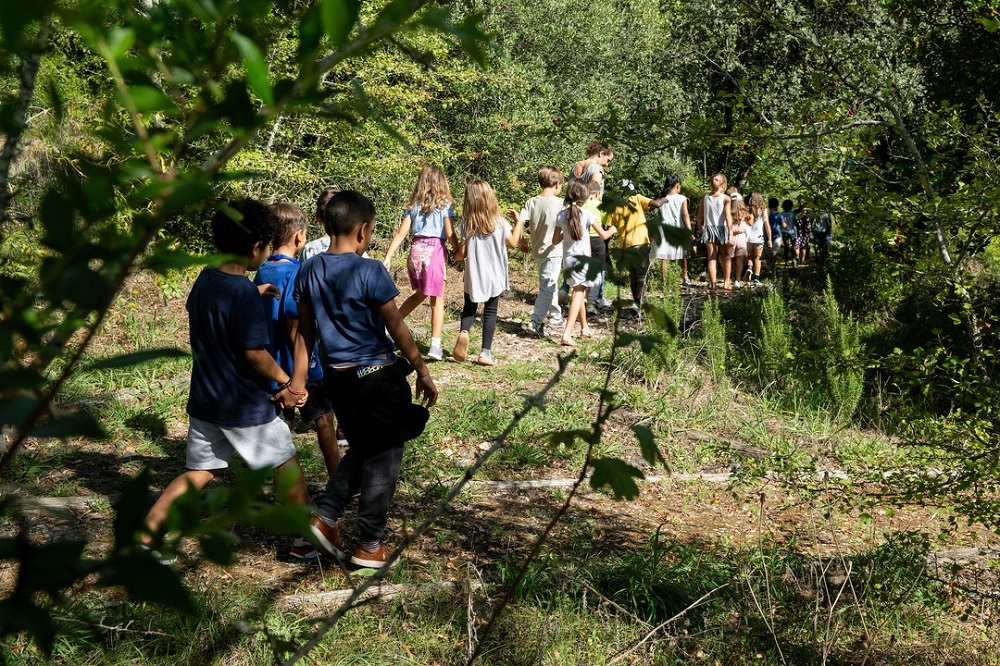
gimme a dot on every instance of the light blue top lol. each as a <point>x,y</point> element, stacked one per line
<point>429,225</point>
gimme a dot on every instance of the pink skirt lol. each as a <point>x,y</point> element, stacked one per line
<point>426,265</point>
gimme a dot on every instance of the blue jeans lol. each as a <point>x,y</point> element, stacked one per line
<point>548,277</point>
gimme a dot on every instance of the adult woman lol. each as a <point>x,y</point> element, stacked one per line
<point>592,167</point>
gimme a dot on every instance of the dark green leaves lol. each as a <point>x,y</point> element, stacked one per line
<point>256,66</point>
<point>339,17</point>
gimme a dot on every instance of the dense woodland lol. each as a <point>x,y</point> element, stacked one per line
<point>125,123</point>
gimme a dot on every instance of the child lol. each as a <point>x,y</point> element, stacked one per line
<point>321,244</point>
<point>280,270</point>
<point>572,228</point>
<point>430,216</point>
<point>741,215</point>
<point>633,240</point>
<point>759,229</point>
<point>776,221</point>
<point>789,231</point>
<point>716,224</point>
<point>230,405</point>
<point>349,302</point>
<point>598,250</point>
<point>540,215</point>
<point>487,236</point>
<point>803,235</point>
<point>675,214</point>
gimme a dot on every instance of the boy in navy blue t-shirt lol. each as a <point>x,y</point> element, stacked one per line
<point>230,404</point>
<point>348,301</point>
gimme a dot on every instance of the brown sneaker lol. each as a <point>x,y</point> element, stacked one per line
<point>461,350</point>
<point>326,537</point>
<point>372,559</point>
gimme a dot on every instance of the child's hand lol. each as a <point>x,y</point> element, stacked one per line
<point>458,254</point>
<point>286,399</point>
<point>523,245</point>
<point>269,290</point>
<point>425,391</point>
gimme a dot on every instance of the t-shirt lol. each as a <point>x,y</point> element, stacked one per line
<point>486,263</point>
<point>429,225</point>
<point>630,220</point>
<point>714,210</point>
<point>790,222</point>
<point>774,219</point>
<point>345,292</point>
<point>539,213</point>
<point>314,247</point>
<point>572,248</point>
<point>226,318</point>
<point>282,274</point>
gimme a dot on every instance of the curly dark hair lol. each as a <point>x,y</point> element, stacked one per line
<point>258,224</point>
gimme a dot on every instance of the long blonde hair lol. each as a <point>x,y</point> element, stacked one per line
<point>757,205</point>
<point>480,209</point>
<point>740,211</point>
<point>431,191</point>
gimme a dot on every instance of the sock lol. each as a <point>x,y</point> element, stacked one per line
<point>435,342</point>
<point>485,351</point>
<point>330,522</point>
<point>370,545</point>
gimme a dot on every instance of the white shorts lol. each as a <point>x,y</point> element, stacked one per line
<point>210,446</point>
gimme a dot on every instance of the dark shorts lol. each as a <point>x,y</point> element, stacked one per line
<point>374,406</point>
<point>317,405</point>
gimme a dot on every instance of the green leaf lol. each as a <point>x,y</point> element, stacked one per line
<point>647,444</point>
<point>54,566</point>
<point>283,518</point>
<point>256,66</point>
<point>136,358</point>
<point>660,317</point>
<point>14,411</point>
<point>56,99</point>
<point>167,259</point>
<point>339,17</point>
<point>77,425</point>
<point>617,475</point>
<point>145,579</point>
<point>120,40</point>
<point>149,99</point>
<point>648,343</point>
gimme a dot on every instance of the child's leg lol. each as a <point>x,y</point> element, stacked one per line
<point>193,477</point>
<point>711,257</point>
<point>379,474</point>
<point>297,492</point>
<point>461,350</point>
<point>545,303</point>
<point>489,322</point>
<point>576,309</point>
<point>411,303</point>
<point>725,256</point>
<point>326,434</point>
<point>684,269</point>
<point>638,258</point>
<point>437,316</point>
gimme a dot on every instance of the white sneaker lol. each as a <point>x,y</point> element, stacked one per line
<point>737,284</point>
<point>435,353</point>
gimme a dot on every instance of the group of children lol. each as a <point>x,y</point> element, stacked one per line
<point>317,331</point>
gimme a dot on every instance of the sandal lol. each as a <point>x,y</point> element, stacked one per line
<point>567,342</point>
<point>586,333</point>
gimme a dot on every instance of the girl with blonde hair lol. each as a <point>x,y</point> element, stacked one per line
<point>487,236</point>
<point>715,222</point>
<point>430,216</point>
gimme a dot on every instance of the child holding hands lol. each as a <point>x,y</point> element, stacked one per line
<point>431,218</point>
<point>573,226</point>
<point>487,236</point>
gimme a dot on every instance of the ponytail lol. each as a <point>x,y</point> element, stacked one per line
<point>576,195</point>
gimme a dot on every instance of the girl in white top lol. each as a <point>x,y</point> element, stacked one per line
<point>487,236</point>
<point>675,214</point>
<point>759,231</point>
<point>573,228</point>
<point>715,222</point>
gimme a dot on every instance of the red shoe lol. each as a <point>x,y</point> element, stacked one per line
<point>326,537</point>
<point>372,559</point>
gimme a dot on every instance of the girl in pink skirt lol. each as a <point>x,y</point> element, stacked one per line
<point>430,215</point>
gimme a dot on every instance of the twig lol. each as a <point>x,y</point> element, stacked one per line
<point>616,606</point>
<point>617,658</point>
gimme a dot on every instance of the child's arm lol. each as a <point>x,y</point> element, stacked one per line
<point>265,364</point>
<point>557,236</point>
<point>607,233</point>
<point>729,215</point>
<point>515,235</point>
<point>302,345</point>
<point>456,244</point>
<point>268,290</point>
<point>424,389</point>
<point>397,240</point>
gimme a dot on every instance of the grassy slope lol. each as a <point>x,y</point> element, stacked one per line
<point>747,572</point>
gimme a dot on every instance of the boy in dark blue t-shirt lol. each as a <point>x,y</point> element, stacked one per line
<point>230,404</point>
<point>280,270</point>
<point>348,301</point>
